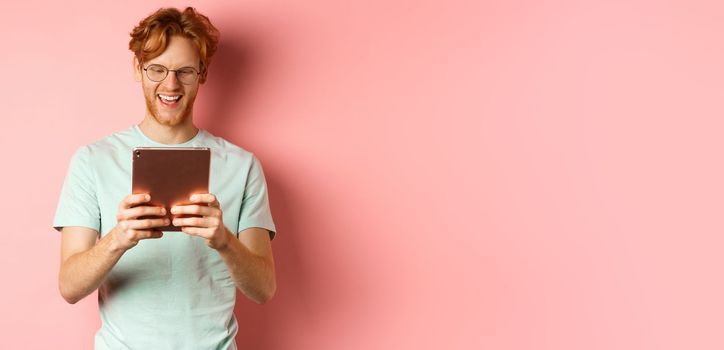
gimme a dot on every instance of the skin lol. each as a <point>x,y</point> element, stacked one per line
<point>87,260</point>
<point>162,123</point>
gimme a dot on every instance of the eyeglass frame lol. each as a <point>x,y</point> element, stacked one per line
<point>175,71</point>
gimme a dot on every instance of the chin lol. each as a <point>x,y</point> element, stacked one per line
<point>169,121</point>
<point>166,117</point>
<point>166,120</point>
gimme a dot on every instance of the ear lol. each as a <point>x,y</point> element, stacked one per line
<point>137,73</point>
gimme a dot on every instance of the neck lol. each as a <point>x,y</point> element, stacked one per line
<point>168,134</point>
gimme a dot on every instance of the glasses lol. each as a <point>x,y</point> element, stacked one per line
<point>157,73</point>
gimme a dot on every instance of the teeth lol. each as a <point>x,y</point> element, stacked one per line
<point>169,98</point>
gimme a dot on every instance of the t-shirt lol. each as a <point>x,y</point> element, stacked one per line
<point>174,292</point>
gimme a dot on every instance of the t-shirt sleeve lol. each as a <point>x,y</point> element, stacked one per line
<point>78,204</point>
<point>255,210</point>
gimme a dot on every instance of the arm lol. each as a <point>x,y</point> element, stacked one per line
<point>248,258</point>
<point>251,263</point>
<point>84,264</point>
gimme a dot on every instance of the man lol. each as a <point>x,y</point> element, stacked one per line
<point>175,290</point>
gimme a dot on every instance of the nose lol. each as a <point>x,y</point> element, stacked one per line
<point>171,81</point>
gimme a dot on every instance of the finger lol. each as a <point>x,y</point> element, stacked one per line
<point>134,199</point>
<point>197,231</point>
<point>144,210</point>
<point>207,198</point>
<point>138,235</point>
<point>146,223</point>
<point>196,222</point>
<point>195,209</point>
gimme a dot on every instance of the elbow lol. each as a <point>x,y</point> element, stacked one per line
<point>263,299</point>
<point>267,288</point>
<point>71,300</point>
<point>68,296</point>
<point>263,296</point>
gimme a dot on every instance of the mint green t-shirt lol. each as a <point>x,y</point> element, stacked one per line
<point>174,292</point>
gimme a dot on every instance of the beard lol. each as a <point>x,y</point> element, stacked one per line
<point>179,117</point>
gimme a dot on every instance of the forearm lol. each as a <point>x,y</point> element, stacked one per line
<point>254,275</point>
<point>84,272</point>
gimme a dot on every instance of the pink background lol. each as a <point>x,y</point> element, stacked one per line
<point>443,174</point>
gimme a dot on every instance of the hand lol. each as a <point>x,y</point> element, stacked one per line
<point>210,226</point>
<point>130,230</point>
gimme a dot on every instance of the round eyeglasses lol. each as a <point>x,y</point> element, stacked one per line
<point>185,75</point>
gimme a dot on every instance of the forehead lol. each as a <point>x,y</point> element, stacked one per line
<point>181,52</point>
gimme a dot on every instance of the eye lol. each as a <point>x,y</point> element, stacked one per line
<point>186,71</point>
<point>156,68</point>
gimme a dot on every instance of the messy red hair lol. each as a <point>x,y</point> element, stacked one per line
<point>152,35</point>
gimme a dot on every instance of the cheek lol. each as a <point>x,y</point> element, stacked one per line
<point>191,93</point>
<point>148,90</point>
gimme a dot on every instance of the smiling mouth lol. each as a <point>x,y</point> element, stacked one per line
<point>169,100</point>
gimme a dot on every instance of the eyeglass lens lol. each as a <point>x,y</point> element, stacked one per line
<point>157,73</point>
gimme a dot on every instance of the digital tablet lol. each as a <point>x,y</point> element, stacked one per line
<point>170,175</point>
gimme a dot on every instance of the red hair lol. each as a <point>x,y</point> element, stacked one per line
<point>152,35</point>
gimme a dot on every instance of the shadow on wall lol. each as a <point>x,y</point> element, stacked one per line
<point>231,75</point>
<point>234,71</point>
<point>260,325</point>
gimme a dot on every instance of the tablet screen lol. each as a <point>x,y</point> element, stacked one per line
<point>170,175</point>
